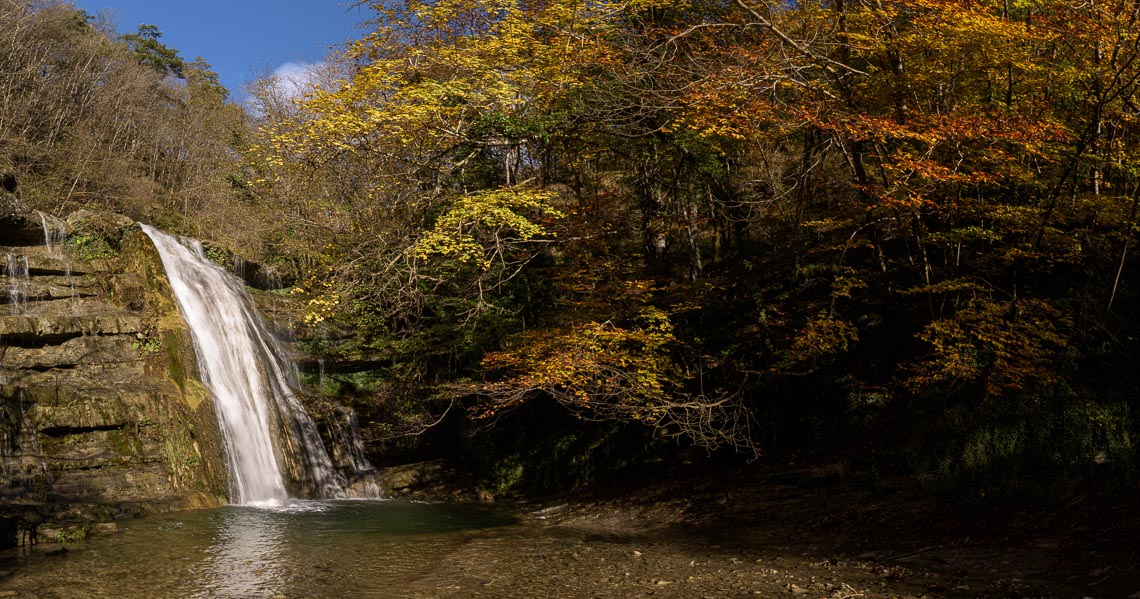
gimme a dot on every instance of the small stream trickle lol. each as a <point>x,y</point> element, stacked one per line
<point>17,271</point>
<point>55,234</point>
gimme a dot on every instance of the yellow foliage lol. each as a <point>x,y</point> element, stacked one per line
<point>321,308</point>
<point>844,285</point>
<point>430,69</point>
<point>821,337</point>
<point>478,226</point>
<point>625,371</point>
<point>1003,346</point>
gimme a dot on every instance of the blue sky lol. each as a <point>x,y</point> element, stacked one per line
<point>241,38</point>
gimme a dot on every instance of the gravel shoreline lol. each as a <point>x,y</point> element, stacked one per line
<point>794,532</point>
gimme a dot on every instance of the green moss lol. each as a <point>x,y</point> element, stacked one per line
<point>125,443</point>
<point>89,246</point>
<point>1061,439</point>
<point>172,349</point>
<point>147,342</point>
<point>65,534</point>
<point>182,457</point>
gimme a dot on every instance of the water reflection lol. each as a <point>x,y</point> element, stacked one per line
<point>245,557</point>
<point>301,549</point>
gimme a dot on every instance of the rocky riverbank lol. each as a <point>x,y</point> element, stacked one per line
<point>777,530</point>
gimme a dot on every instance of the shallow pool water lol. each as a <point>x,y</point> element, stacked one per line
<point>303,549</point>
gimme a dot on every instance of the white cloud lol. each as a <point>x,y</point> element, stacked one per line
<point>274,92</point>
<point>293,79</point>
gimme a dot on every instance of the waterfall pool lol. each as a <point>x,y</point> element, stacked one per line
<point>335,549</point>
<point>395,549</point>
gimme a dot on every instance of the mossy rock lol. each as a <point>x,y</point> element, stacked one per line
<point>193,445</point>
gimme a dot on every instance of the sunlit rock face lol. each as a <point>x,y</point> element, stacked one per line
<point>103,410</point>
<point>100,411</point>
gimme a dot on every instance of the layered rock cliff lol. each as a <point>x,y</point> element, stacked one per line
<point>101,413</point>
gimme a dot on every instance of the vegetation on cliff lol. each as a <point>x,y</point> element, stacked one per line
<point>899,231</point>
<point>96,121</point>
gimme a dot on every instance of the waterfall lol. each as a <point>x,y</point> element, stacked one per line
<point>16,267</point>
<point>349,448</point>
<point>250,380</point>
<point>54,235</point>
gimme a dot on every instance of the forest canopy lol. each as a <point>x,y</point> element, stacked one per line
<point>895,229</point>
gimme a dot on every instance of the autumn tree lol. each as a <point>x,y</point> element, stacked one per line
<point>927,204</point>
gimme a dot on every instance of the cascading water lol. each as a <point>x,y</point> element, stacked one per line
<point>250,380</point>
<point>349,447</point>
<point>16,268</point>
<point>54,234</point>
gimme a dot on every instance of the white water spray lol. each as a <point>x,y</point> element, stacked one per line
<point>248,376</point>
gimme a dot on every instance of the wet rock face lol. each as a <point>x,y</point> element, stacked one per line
<point>101,413</point>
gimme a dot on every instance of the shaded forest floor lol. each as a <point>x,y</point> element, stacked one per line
<point>797,531</point>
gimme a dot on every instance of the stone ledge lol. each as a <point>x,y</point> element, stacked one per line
<point>101,350</point>
<point>69,326</point>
